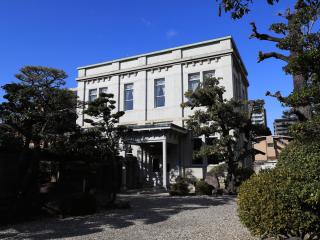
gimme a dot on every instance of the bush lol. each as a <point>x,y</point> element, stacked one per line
<point>78,204</point>
<point>285,201</point>
<point>180,188</point>
<point>203,188</point>
<point>9,142</point>
<point>242,175</point>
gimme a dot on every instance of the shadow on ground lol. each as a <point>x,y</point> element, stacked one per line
<point>146,209</point>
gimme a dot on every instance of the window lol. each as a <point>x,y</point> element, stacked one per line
<point>159,92</point>
<point>92,95</point>
<point>270,145</point>
<point>193,81</point>
<point>209,74</point>
<point>128,96</point>
<point>103,90</point>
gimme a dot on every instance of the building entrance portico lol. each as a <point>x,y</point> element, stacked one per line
<point>159,152</point>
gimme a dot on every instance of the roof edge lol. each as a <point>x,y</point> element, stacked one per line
<point>162,51</point>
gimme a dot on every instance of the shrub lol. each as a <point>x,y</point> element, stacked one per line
<point>203,188</point>
<point>180,188</point>
<point>9,142</point>
<point>285,201</point>
<point>78,204</point>
<point>242,175</point>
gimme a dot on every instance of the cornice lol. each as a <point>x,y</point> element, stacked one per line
<point>151,67</point>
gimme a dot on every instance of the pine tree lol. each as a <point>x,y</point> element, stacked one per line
<point>298,34</point>
<point>225,120</point>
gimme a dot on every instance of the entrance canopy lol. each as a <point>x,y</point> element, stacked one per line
<point>143,135</point>
<point>140,134</point>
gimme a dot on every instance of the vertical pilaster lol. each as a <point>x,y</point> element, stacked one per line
<point>164,163</point>
<point>146,97</point>
<point>143,164</point>
<point>204,159</point>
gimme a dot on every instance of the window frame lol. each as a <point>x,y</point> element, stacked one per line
<point>189,80</point>
<point>124,96</point>
<point>160,96</point>
<point>208,71</point>
<point>103,88</point>
<point>90,94</point>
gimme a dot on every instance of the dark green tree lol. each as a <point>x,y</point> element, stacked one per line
<point>226,120</point>
<point>257,106</point>
<point>298,35</point>
<point>36,108</point>
<point>104,119</point>
<point>36,112</point>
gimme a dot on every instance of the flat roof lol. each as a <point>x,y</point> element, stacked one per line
<point>168,50</point>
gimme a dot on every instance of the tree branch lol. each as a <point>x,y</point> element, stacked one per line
<point>276,95</point>
<point>260,36</point>
<point>263,56</point>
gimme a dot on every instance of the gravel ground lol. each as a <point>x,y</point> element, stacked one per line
<point>152,216</point>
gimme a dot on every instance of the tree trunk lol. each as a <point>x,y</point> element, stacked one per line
<point>230,180</point>
<point>304,112</point>
<point>230,183</point>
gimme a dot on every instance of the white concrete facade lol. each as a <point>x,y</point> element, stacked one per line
<point>175,67</point>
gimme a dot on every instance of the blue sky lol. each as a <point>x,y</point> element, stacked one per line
<point>66,34</point>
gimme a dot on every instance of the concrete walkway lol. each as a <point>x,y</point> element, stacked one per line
<point>152,216</point>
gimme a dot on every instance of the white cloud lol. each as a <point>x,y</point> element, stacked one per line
<point>146,22</point>
<point>171,33</point>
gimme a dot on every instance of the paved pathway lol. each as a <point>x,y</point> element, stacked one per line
<point>152,216</point>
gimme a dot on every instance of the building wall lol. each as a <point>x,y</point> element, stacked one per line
<point>281,126</point>
<point>271,146</point>
<point>259,118</point>
<point>174,65</point>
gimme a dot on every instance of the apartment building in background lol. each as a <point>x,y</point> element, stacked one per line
<point>259,116</point>
<point>150,88</point>
<point>281,126</point>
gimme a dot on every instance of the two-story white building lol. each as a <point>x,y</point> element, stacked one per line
<point>150,89</point>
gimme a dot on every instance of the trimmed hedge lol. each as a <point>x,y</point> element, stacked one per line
<point>203,188</point>
<point>180,188</point>
<point>285,201</point>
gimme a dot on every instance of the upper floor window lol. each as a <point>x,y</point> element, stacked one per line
<point>159,92</point>
<point>103,90</point>
<point>93,94</point>
<point>128,96</point>
<point>193,81</point>
<point>209,74</point>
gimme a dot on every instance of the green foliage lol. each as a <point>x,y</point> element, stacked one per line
<point>218,170</point>
<point>36,108</point>
<point>227,119</point>
<point>8,141</point>
<point>180,187</point>
<point>203,188</point>
<point>261,130</point>
<point>103,120</point>
<point>298,34</point>
<point>238,8</point>
<point>306,131</point>
<point>286,200</point>
<point>243,174</point>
